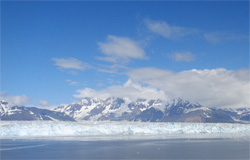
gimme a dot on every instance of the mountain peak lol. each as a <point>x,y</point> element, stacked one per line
<point>181,102</point>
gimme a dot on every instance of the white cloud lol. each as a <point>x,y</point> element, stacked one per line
<point>44,103</point>
<point>14,100</point>
<point>168,31</point>
<point>120,49</point>
<point>130,90</point>
<point>182,56</point>
<point>212,88</point>
<point>217,37</point>
<point>70,63</point>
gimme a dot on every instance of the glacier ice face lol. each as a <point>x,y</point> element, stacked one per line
<point>31,129</point>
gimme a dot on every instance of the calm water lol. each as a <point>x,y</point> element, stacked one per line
<point>125,149</point>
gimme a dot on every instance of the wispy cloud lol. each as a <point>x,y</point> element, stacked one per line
<point>100,85</point>
<point>216,37</point>
<point>173,32</point>
<point>73,83</point>
<point>120,50</point>
<point>14,100</point>
<point>44,103</point>
<point>70,63</point>
<point>182,56</point>
<point>168,31</point>
<point>114,68</point>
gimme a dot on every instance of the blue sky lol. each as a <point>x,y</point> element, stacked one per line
<point>56,52</point>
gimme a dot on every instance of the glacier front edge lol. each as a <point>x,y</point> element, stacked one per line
<point>42,129</point>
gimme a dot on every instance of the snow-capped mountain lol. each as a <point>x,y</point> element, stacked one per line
<point>119,109</point>
<point>176,110</point>
<point>30,113</point>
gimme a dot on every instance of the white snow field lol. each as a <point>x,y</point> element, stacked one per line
<point>42,129</point>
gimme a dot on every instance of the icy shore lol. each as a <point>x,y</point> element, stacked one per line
<point>31,129</point>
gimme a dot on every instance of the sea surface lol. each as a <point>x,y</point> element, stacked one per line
<point>70,149</point>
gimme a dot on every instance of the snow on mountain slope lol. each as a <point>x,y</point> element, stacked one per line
<point>93,108</point>
<point>114,108</point>
<point>3,107</point>
<point>205,109</point>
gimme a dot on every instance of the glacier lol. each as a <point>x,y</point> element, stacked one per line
<point>42,129</point>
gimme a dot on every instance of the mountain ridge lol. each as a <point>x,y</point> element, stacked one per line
<point>119,109</point>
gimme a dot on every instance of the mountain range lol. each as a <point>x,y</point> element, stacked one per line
<point>119,109</point>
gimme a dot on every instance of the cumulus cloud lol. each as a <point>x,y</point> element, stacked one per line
<point>14,100</point>
<point>212,88</point>
<point>168,31</point>
<point>130,90</point>
<point>120,49</point>
<point>44,103</point>
<point>209,87</point>
<point>182,56</point>
<point>70,63</point>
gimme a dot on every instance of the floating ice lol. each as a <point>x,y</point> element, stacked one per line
<point>30,129</point>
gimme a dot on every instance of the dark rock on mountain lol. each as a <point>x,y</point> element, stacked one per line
<point>150,115</point>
